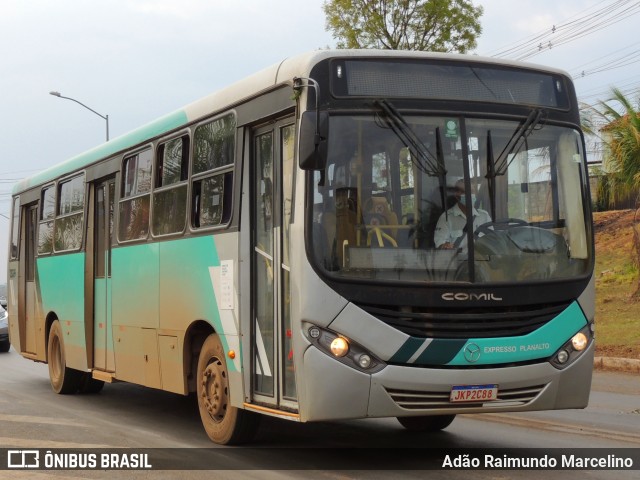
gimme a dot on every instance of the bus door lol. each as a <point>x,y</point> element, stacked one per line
<point>103,356</point>
<point>28,332</point>
<point>272,367</point>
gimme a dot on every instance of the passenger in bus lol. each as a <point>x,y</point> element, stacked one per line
<point>451,229</point>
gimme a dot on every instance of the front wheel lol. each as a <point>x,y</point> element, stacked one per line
<point>4,346</point>
<point>224,424</point>
<point>63,379</point>
<point>427,423</point>
<point>88,384</point>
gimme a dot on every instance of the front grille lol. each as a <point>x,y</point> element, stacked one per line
<point>417,400</point>
<point>467,323</point>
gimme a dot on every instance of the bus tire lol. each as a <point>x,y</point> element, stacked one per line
<point>88,384</point>
<point>224,424</point>
<point>63,379</point>
<point>427,423</point>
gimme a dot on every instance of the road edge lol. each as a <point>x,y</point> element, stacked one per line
<point>628,365</point>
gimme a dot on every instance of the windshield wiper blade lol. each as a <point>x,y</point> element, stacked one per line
<point>442,173</point>
<point>518,138</point>
<point>491,175</point>
<point>428,163</point>
<point>420,154</point>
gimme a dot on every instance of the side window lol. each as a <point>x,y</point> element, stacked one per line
<point>15,230</point>
<point>170,194</point>
<point>47,216</point>
<point>380,173</point>
<point>213,158</point>
<point>136,190</point>
<point>407,185</point>
<point>69,222</point>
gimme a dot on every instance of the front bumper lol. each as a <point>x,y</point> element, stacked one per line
<point>337,391</point>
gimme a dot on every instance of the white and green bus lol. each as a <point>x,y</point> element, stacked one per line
<point>346,234</point>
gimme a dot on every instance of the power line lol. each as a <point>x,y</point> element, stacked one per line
<point>23,171</point>
<point>619,62</point>
<point>620,83</point>
<point>588,27</point>
<point>571,30</point>
<point>582,65</point>
<point>532,39</point>
<point>626,89</point>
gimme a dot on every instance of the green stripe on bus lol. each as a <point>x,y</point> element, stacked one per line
<point>440,351</point>
<point>539,344</point>
<point>407,350</point>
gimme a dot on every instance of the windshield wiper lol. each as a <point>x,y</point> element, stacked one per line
<point>518,139</point>
<point>491,175</point>
<point>500,165</point>
<point>432,165</point>
<point>421,156</point>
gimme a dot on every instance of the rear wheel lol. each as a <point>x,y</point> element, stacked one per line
<point>63,379</point>
<point>4,346</point>
<point>427,423</point>
<point>223,423</point>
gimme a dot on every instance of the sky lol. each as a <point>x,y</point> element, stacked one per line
<point>136,60</point>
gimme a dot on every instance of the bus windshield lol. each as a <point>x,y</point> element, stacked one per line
<point>403,197</point>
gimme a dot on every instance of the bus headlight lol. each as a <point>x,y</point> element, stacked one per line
<point>562,356</point>
<point>340,347</point>
<point>343,349</point>
<point>364,361</point>
<point>579,341</point>
<point>570,351</point>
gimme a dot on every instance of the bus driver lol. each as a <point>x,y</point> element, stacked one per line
<point>451,231</point>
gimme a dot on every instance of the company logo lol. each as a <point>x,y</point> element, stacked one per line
<point>469,297</point>
<point>472,353</point>
<point>23,459</point>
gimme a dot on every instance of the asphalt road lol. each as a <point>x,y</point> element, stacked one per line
<point>133,417</point>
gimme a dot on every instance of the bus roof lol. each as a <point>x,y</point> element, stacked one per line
<point>280,73</point>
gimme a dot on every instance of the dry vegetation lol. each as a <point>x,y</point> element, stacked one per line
<point>617,308</point>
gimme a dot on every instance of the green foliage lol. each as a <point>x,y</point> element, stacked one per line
<point>423,25</point>
<point>621,137</point>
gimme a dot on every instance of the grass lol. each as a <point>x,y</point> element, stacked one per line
<point>617,310</point>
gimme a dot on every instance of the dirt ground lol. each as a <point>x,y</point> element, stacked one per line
<point>617,309</point>
<point>617,223</point>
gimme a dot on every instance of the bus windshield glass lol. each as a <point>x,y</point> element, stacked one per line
<point>403,197</point>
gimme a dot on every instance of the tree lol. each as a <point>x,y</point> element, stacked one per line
<point>434,25</point>
<point>621,163</point>
<point>621,138</point>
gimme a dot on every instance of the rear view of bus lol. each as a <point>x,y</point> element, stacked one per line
<point>449,212</point>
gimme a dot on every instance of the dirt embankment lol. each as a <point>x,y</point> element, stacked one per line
<point>617,310</point>
<point>616,223</point>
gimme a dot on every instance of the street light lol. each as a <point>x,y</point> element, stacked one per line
<point>105,117</point>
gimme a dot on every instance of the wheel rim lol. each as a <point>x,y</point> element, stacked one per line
<point>214,390</point>
<point>56,361</point>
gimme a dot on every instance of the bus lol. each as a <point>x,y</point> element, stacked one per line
<point>277,247</point>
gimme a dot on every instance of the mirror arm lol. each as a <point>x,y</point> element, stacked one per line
<point>298,85</point>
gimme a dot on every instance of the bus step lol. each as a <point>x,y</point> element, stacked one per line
<point>104,376</point>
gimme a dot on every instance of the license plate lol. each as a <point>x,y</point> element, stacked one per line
<point>473,393</point>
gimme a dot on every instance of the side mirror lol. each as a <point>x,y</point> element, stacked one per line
<point>312,154</point>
